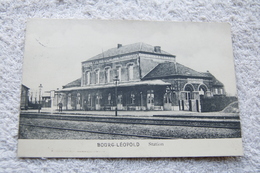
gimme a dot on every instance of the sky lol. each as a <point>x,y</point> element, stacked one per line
<point>55,48</point>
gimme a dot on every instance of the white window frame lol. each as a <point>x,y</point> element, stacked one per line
<point>97,75</point>
<point>87,73</point>
<point>131,71</point>
<point>132,98</point>
<point>119,72</point>
<point>216,91</point>
<point>107,74</point>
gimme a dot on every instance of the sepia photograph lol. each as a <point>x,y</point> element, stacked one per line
<point>97,88</point>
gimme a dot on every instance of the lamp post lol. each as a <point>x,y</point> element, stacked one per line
<point>116,82</point>
<point>35,98</point>
<point>52,100</point>
<point>57,97</point>
<point>39,105</point>
<point>141,94</point>
<point>40,93</point>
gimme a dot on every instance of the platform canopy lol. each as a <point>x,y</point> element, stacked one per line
<point>128,84</point>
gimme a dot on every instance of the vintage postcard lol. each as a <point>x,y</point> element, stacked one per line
<point>106,89</point>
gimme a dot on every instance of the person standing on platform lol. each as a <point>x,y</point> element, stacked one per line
<point>39,108</point>
<point>60,107</point>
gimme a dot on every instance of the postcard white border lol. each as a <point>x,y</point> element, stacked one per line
<point>129,148</point>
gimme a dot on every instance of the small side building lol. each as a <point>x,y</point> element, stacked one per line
<point>24,102</point>
<point>46,99</point>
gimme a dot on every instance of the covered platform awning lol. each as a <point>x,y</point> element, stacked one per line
<point>126,84</point>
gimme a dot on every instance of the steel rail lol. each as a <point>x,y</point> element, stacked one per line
<point>98,132</point>
<point>186,123</point>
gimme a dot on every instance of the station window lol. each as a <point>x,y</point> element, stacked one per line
<point>87,78</point>
<point>109,98</point>
<point>89,99</point>
<point>132,98</point>
<point>131,72</point>
<point>78,98</point>
<point>150,96</point>
<point>119,98</point>
<point>107,75</point>
<point>118,72</point>
<point>97,76</point>
<point>98,98</point>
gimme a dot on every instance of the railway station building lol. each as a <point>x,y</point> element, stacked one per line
<point>138,77</point>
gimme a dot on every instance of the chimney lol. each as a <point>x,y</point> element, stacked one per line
<point>157,49</point>
<point>119,45</point>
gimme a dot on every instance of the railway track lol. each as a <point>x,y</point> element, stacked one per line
<point>228,124</point>
<point>97,132</point>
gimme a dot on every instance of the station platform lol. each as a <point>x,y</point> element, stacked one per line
<point>136,113</point>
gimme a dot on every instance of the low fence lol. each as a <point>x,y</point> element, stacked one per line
<point>216,103</point>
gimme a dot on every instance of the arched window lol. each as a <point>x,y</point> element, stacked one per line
<point>202,89</point>
<point>118,72</point>
<point>107,75</point>
<point>87,78</point>
<point>97,76</point>
<point>189,89</point>
<point>131,72</point>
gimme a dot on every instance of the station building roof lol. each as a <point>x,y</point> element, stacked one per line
<point>215,81</point>
<point>131,48</point>
<point>75,83</point>
<point>171,69</point>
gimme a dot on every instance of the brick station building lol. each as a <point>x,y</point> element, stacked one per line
<point>146,78</point>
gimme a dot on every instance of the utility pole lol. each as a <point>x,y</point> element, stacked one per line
<point>141,94</point>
